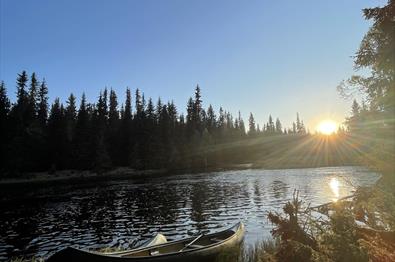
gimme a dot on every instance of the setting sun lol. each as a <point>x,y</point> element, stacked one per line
<point>327,127</point>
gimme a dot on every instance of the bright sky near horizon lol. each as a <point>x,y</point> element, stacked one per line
<point>265,57</point>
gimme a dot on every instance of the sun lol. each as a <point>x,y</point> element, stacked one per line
<point>327,127</point>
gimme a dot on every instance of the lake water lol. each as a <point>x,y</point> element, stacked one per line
<point>124,213</point>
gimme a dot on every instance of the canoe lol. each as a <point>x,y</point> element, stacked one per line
<point>198,248</point>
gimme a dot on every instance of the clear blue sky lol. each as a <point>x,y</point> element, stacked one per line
<point>265,57</point>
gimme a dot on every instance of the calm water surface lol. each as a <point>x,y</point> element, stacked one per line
<point>124,213</point>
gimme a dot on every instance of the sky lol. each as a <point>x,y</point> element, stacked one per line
<point>264,57</point>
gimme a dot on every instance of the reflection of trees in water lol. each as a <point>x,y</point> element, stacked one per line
<point>279,189</point>
<point>21,227</point>
<point>244,189</point>
<point>100,214</point>
<point>153,204</point>
<point>212,199</point>
<point>85,214</point>
<point>199,197</point>
<point>257,192</point>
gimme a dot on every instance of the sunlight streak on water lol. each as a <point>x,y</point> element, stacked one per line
<point>334,185</point>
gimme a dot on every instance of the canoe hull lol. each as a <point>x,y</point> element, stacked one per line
<point>209,253</point>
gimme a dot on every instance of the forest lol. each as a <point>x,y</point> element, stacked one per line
<point>97,136</point>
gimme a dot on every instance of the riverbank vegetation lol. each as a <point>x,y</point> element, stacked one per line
<point>356,230</point>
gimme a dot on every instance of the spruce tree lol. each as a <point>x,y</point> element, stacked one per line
<point>298,123</point>
<point>71,116</point>
<point>139,105</point>
<point>113,129</point>
<point>20,110</point>
<point>270,125</point>
<point>42,113</point>
<point>172,112</point>
<point>190,119</point>
<point>4,104</point>
<point>158,109</point>
<point>197,109</point>
<point>21,84</point>
<point>33,97</point>
<point>279,127</point>
<point>251,125</point>
<point>56,136</point>
<point>150,111</point>
<point>128,107</point>
<point>241,125</point>
<point>113,113</point>
<point>125,142</point>
<point>82,141</point>
<point>101,158</point>
<point>221,122</point>
<point>105,102</point>
<point>5,128</point>
<point>211,120</point>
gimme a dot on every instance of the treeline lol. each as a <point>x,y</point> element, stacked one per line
<point>36,137</point>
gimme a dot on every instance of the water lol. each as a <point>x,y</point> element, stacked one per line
<point>124,213</point>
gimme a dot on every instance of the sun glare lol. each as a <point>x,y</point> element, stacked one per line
<point>334,185</point>
<point>327,127</point>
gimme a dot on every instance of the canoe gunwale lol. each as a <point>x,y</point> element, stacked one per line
<point>237,234</point>
<point>238,227</point>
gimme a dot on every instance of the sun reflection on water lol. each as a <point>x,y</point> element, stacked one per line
<point>334,185</point>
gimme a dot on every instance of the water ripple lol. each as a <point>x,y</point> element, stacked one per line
<point>125,213</point>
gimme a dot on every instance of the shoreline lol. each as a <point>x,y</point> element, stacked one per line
<point>125,173</point>
<point>119,173</point>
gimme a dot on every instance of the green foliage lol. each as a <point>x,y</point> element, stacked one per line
<point>251,125</point>
<point>372,126</point>
<point>303,238</point>
<point>291,227</point>
<point>340,241</point>
<point>294,251</point>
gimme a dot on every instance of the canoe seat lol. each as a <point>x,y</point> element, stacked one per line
<point>195,246</point>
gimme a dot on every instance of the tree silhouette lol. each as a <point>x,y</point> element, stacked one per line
<point>279,127</point>
<point>4,123</point>
<point>42,110</point>
<point>101,135</point>
<point>82,142</point>
<point>251,125</point>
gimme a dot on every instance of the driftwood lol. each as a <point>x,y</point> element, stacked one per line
<point>385,235</point>
<point>331,203</point>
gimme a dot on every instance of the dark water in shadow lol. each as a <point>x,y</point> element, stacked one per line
<point>124,213</point>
